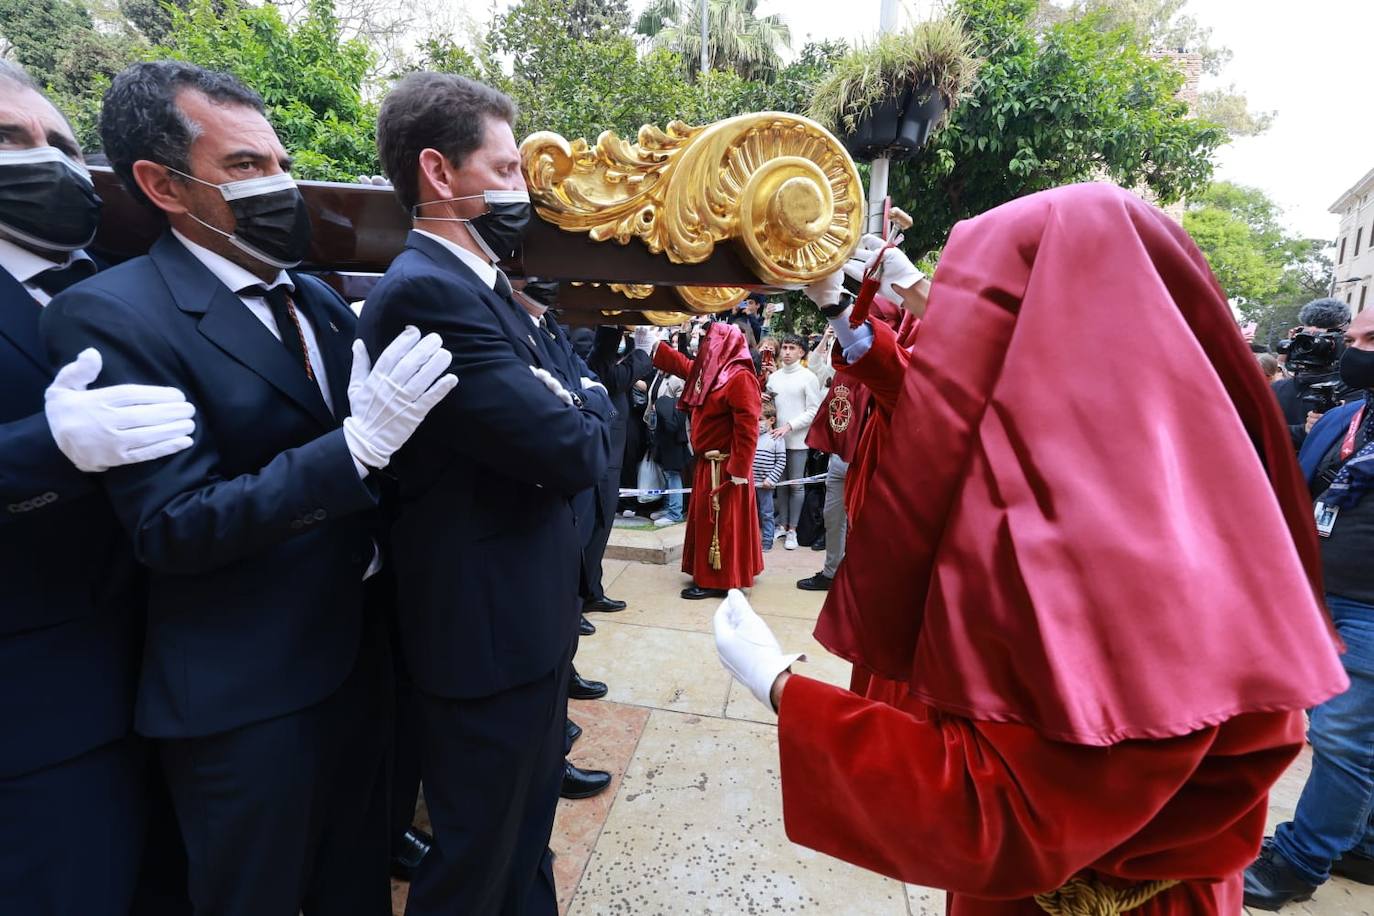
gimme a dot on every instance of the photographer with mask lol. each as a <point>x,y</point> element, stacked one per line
<point>1331,831</point>
<point>1313,354</point>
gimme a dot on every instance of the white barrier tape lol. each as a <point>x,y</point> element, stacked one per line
<point>625,491</point>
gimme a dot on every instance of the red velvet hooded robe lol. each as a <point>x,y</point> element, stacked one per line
<point>1052,578</point>
<point>725,417</point>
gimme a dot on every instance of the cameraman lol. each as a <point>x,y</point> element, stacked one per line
<point>1332,831</point>
<point>1313,355</point>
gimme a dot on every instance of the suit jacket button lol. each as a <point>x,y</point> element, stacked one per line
<point>319,515</point>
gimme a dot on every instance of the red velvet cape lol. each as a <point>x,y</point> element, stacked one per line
<point>727,420</point>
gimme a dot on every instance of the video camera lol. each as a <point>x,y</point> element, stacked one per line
<point>1313,353</point>
<point>1323,396</point>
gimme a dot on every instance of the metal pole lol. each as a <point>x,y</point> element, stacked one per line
<point>877,182</point>
<point>706,58</point>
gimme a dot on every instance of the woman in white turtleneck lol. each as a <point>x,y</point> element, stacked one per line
<point>797,396</point>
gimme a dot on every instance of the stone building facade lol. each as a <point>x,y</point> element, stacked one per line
<point>1354,255</point>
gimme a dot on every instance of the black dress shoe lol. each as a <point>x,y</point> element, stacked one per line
<point>1354,866</point>
<point>820,582</point>
<point>604,605</point>
<point>579,688</point>
<point>572,731</point>
<point>579,783</point>
<point>695,592</point>
<point>1271,882</point>
<point>818,543</point>
<point>585,627</point>
<point>409,852</point>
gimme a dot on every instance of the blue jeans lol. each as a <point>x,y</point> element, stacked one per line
<point>1335,812</point>
<point>672,502</point>
<point>765,502</point>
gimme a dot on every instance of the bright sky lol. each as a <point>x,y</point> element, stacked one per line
<point>1309,62</point>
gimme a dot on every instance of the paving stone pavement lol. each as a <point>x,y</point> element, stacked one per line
<point>692,822</point>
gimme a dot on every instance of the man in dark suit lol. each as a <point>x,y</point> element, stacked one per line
<point>73,779</point>
<point>618,369</point>
<point>486,542</point>
<point>265,679</point>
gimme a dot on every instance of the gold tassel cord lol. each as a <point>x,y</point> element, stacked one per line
<point>717,458</point>
<point>1087,896</point>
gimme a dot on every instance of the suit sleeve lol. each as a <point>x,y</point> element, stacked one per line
<point>742,394</point>
<point>500,416</point>
<point>182,513</point>
<point>994,810</point>
<point>671,361</point>
<point>34,474</point>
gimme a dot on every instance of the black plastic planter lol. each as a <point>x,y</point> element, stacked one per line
<point>898,126</point>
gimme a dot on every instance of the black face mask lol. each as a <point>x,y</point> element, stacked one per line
<point>1357,368</point>
<point>271,222</point>
<point>47,200</point>
<point>500,230</point>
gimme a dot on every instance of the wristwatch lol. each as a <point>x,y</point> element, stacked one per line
<point>836,310</point>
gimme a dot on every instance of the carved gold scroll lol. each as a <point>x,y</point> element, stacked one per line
<point>779,186</point>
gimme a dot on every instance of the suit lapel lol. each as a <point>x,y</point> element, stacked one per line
<point>19,313</point>
<point>516,324</point>
<point>228,323</point>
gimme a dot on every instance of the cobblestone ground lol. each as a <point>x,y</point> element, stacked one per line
<point>692,823</point>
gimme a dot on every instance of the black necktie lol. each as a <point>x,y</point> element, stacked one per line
<point>502,288</point>
<point>55,279</point>
<point>288,322</point>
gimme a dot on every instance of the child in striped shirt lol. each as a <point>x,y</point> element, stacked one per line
<point>770,459</point>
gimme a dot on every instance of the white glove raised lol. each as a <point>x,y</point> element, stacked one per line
<point>104,428</point>
<point>592,383</point>
<point>826,290</point>
<point>645,337</point>
<point>553,385</point>
<point>899,274</point>
<point>388,400</point>
<point>747,648</point>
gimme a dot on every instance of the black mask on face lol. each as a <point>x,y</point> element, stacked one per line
<point>500,230</point>
<point>271,222</point>
<point>47,200</point>
<point>1357,368</point>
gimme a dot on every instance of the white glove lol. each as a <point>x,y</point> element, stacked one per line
<point>747,648</point>
<point>740,481</point>
<point>378,180</point>
<point>899,274</point>
<point>123,424</point>
<point>826,290</point>
<point>388,400</point>
<point>553,385</point>
<point>592,383</point>
<point>645,337</point>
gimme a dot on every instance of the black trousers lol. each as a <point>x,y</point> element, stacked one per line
<point>492,769</point>
<point>601,534</point>
<point>71,834</point>
<point>290,815</point>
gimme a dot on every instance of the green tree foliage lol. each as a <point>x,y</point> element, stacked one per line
<point>39,31</point>
<point>1269,273</point>
<point>310,77</point>
<point>1066,103</point>
<point>737,38</point>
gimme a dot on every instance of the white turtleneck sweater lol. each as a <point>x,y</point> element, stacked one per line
<point>797,397</point>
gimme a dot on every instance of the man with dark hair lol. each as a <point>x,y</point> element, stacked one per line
<point>70,631</point>
<point>265,679</point>
<point>487,545</point>
<point>1312,353</point>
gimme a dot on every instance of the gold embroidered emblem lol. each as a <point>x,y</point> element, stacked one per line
<point>840,411</point>
<point>698,385</point>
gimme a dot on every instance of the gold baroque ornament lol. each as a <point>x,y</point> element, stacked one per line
<point>779,184</point>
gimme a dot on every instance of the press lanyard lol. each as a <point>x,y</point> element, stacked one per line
<point>1348,446</point>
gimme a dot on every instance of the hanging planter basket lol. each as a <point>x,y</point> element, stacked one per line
<point>898,126</point>
<point>886,99</point>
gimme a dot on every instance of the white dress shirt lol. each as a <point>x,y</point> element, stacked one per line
<point>236,278</point>
<point>24,265</point>
<point>485,270</point>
